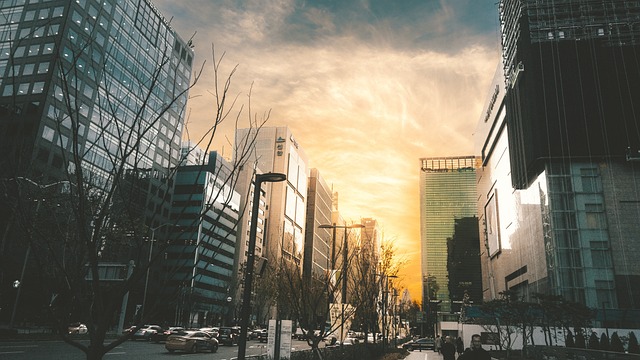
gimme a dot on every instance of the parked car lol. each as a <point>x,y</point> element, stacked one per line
<point>351,340</point>
<point>300,334</point>
<point>213,331</point>
<point>77,328</point>
<point>163,335</point>
<point>228,336</point>
<point>191,341</point>
<point>420,344</point>
<point>254,334</point>
<point>263,335</point>
<point>145,332</point>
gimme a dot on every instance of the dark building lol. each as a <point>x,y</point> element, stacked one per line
<point>573,81</point>
<point>200,258</point>
<point>559,183</point>
<point>93,90</point>
<point>463,263</point>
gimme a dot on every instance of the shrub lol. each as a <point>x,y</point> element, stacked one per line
<point>633,344</point>
<point>594,344</point>
<point>604,342</point>
<point>616,343</point>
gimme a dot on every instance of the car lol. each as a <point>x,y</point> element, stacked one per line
<point>213,331</point>
<point>263,336</point>
<point>254,334</point>
<point>228,335</point>
<point>163,335</point>
<point>77,328</point>
<point>191,341</point>
<point>145,332</point>
<point>300,334</point>
<point>420,344</point>
<point>351,340</point>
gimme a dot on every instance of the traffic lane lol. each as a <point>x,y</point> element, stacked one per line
<point>54,349</point>
<point>423,355</point>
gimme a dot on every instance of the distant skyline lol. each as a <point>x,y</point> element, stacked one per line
<point>366,87</point>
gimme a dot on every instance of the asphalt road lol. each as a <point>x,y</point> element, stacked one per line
<point>130,350</point>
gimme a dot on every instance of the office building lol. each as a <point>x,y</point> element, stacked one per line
<point>105,81</point>
<point>319,258</point>
<point>275,149</point>
<point>200,258</point>
<point>447,195</point>
<point>557,188</point>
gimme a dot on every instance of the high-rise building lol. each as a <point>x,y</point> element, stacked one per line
<point>89,70</point>
<point>276,150</point>
<point>558,140</point>
<point>572,76</point>
<point>447,195</point>
<point>318,255</point>
<point>96,83</point>
<point>200,258</point>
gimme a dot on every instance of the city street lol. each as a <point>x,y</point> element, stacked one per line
<point>423,355</point>
<point>56,349</point>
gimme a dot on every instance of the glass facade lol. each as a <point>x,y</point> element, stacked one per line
<point>571,232</point>
<point>200,259</point>
<point>112,74</point>
<point>447,194</point>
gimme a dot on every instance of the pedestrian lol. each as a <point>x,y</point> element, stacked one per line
<point>459,345</point>
<point>438,344</point>
<point>476,352</point>
<point>448,349</point>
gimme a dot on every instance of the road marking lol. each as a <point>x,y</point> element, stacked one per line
<point>11,352</point>
<point>18,346</point>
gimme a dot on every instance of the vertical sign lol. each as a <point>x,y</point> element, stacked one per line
<point>285,339</point>
<point>279,339</point>
<point>271,339</point>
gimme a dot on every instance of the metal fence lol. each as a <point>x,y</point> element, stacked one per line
<point>562,353</point>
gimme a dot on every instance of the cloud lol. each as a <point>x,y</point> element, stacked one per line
<point>367,88</point>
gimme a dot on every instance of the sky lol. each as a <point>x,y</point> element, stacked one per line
<point>367,87</point>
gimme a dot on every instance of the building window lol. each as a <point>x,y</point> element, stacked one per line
<point>589,179</point>
<point>34,50</point>
<point>594,215</point>
<point>28,69</point>
<point>23,89</point>
<point>600,257</point>
<point>48,133</point>
<point>19,52</point>
<point>38,87</point>
<point>43,67</point>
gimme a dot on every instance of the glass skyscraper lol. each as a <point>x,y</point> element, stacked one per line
<point>108,76</point>
<point>447,194</point>
<point>91,88</point>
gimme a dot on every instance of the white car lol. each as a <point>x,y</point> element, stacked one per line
<point>146,332</point>
<point>77,328</point>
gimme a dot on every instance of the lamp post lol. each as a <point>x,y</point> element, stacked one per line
<point>18,283</point>
<point>385,297</point>
<point>146,281</point>
<point>245,312</point>
<point>345,250</point>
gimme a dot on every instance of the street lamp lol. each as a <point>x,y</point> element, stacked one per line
<point>385,297</point>
<point>18,283</point>
<point>245,312</point>
<point>146,281</point>
<point>345,250</point>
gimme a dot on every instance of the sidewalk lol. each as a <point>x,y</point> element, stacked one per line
<point>423,355</point>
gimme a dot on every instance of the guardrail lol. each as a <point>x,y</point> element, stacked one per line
<point>562,353</point>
